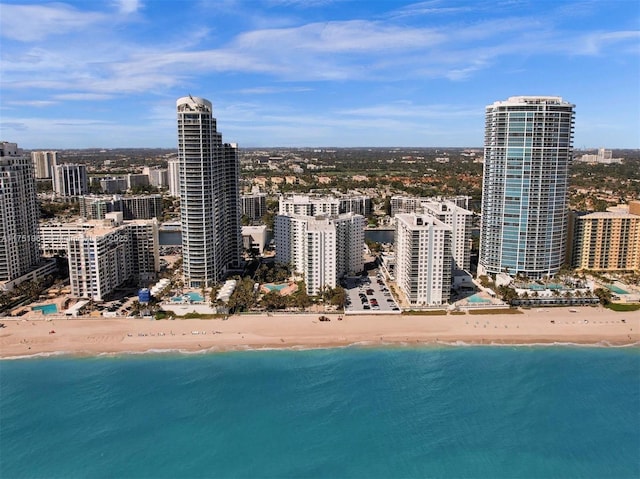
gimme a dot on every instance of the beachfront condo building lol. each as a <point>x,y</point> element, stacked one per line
<point>19,249</point>
<point>317,204</point>
<point>209,196</point>
<point>70,180</point>
<point>527,155</point>
<point>43,163</point>
<point>607,241</point>
<point>423,259</point>
<point>320,249</point>
<point>105,254</point>
<point>451,211</point>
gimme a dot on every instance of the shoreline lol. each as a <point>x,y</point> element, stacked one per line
<point>588,327</point>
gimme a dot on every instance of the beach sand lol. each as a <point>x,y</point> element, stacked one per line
<point>588,325</point>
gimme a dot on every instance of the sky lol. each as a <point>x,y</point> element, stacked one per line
<point>312,73</point>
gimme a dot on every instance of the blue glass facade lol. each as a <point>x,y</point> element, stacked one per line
<point>528,151</point>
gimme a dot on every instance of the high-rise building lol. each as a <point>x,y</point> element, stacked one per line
<point>173,176</point>
<point>209,196</point>
<point>527,155</point>
<point>322,249</point>
<point>317,204</point>
<point>70,180</point>
<point>451,211</point>
<point>158,177</point>
<point>254,205</point>
<point>19,248</point>
<point>43,163</point>
<point>423,259</point>
<point>460,221</point>
<point>608,240</point>
<point>104,254</point>
<point>134,207</point>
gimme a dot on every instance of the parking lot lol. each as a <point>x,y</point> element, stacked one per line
<point>369,294</point>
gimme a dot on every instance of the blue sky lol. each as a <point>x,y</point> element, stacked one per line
<point>312,72</point>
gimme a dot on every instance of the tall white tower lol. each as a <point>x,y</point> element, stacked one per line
<point>43,163</point>
<point>209,196</point>
<point>528,152</point>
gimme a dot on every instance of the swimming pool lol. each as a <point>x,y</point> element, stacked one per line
<point>476,298</point>
<point>191,296</point>
<point>46,308</point>
<point>616,290</point>
<point>276,287</point>
<point>195,297</point>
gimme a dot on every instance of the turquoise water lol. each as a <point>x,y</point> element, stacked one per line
<point>46,308</point>
<point>616,290</point>
<point>193,296</point>
<point>498,412</point>
<point>477,299</point>
<point>276,287</point>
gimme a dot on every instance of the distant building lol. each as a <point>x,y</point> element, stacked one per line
<point>70,180</point>
<point>173,177</point>
<point>19,248</point>
<point>423,259</point>
<point>528,152</point>
<point>43,163</point>
<point>315,204</point>
<point>254,205</point>
<point>158,177</point>
<point>142,207</point>
<point>114,185</point>
<point>603,157</point>
<point>412,204</point>
<point>137,180</point>
<point>322,249</point>
<point>607,241</point>
<point>133,207</point>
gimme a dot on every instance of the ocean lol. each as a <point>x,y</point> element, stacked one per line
<point>485,412</point>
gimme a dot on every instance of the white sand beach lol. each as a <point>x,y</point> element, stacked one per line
<point>585,325</point>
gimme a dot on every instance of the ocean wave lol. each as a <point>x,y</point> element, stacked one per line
<point>39,355</point>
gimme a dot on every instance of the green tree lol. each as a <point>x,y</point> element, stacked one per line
<point>273,300</point>
<point>603,294</point>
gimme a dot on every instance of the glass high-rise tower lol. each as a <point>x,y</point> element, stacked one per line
<point>527,154</point>
<point>209,196</point>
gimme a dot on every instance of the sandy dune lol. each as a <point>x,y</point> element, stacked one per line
<point>588,325</point>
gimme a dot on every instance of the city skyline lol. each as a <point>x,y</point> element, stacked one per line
<point>312,73</point>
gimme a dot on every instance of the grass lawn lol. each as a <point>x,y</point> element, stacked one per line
<point>495,311</point>
<point>623,307</point>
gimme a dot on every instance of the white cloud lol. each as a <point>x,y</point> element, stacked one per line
<point>268,90</point>
<point>82,96</point>
<point>35,103</point>
<point>128,6</point>
<point>28,23</point>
